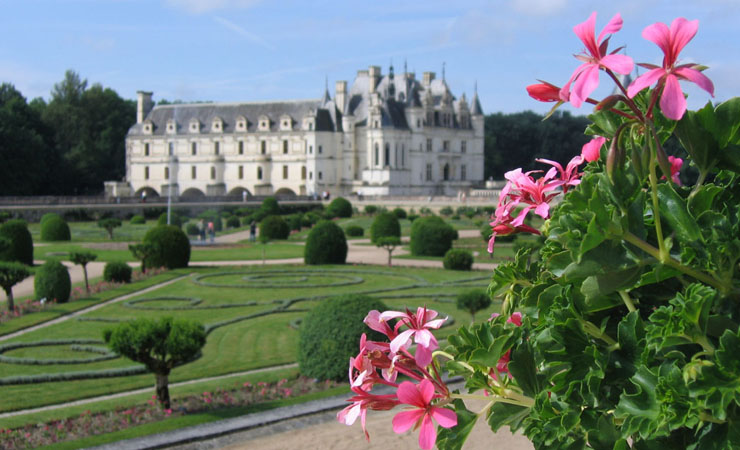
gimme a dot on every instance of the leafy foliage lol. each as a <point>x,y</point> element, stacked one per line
<point>175,219</point>
<point>326,244</point>
<point>385,224</point>
<point>165,246</point>
<point>329,334</point>
<point>431,236</point>
<point>339,207</point>
<point>54,228</point>
<point>473,301</point>
<point>458,259</point>
<point>12,273</point>
<point>52,282</point>
<point>354,231</point>
<point>109,224</point>
<point>82,259</point>
<point>274,227</point>
<point>117,272</point>
<point>19,244</point>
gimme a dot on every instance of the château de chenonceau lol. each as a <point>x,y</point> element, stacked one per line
<point>388,134</point>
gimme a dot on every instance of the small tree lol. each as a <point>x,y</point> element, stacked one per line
<point>473,301</point>
<point>141,252</point>
<point>389,243</point>
<point>158,344</point>
<point>81,259</point>
<point>12,273</point>
<point>109,224</point>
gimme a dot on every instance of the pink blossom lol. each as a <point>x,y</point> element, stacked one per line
<point>676,164</point>
<point>568,176</point>
<point>585,78</point>
<point>591,150</point>
<point>502,366</point>
<point>421,416</point>
<point>671,40</point>
<point>418,324</point>
<point>361,402</point>
<point>544,92</point>
<point>374,321</point>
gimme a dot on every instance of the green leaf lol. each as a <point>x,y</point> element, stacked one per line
<point>726,121</point>
<point>605,436</point>
<point>502,414</point>
<point>673,209</point>
<point>640,409</point>
<point>697,141</point>
<point>701,200</point>
<point>630,333</point>
<point>522,367</point>
<point>454,438</point>
<point>729,158</point>
<point>596,287</point>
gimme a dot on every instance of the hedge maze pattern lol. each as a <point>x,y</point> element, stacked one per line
<point>284,281</point>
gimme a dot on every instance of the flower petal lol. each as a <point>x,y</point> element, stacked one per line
<point>585,84</point>
<point>401,340</point>
<point>614,25</point>
<point>444,417</point>
<point>697,77</point>
<point>426,388</point>
<point>403,421</point>
<point>618,63</point>
<point>409,394</point>
<point>644,80</point>
<point>427,434</point>
<point>585,32</point>
<point>659,34</point>
<point>423,355</point>
<point>672,101</point>
<point>682,31</point>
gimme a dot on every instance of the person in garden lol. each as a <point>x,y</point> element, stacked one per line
<point>253,231</point>
<point>211,231</point>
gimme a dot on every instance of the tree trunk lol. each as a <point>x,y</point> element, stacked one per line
<point>389,257</point>
<point>163,391</point>
<point>11,303</point>
<point>87,285</point>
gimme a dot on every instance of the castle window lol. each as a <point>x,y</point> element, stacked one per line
<point>310,126</point>
<point>310,175</point>
<point>320,149</point>
<point>146,149</point>
<point>310,149</point>
<point>463,146</point>
<point>376,124</point>
<point>285,147</point>
<point>166,173</point>
<point>303,173</point>
<point>241,147</point>
<point>377,154</point>
<point>429,172</point>
<point>259,173</point>
<point>171,148</point>
<point>263,147</point>
<point>403,155</point>
<point>241,172</point>
<point>216,148</point>
<point>192,172</point>
<point>146,173</point>
<point>429,145</point>
<point>463,172</point>
<point>387,155</point>
<point>445,146</point>
<point>213,173</point>
<point>418,123</point>
<point>320,175</point>
<point>285,172</point>
<point>194,148</point>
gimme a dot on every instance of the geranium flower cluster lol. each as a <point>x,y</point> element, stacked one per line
<point>379,363</point>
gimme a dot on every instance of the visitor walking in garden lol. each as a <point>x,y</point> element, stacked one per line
<point>211,231</point>
<point>253,231</point>
<point>202,230</point>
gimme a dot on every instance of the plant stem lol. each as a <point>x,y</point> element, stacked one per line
<point>594,331</point>
<point>627,301</point>
<point>662,253</point>
<point>628,101</point>
<point>515,399</point>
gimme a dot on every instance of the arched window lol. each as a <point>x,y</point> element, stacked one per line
<point>377,154</point>
<point>259,173</point>
<point>387,155</point>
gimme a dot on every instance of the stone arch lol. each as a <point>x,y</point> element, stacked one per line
<point>285,192</point>
<point>237,192</point>
<point>192,192</point>
<point>150,192</point>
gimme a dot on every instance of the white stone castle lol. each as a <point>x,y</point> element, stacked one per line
<point>388,135</point>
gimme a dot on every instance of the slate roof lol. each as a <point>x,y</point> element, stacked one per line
<point>230,112</point>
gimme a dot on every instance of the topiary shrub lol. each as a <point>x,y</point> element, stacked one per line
<point>473,301</point>
<point>117,272</point>
<point>446,211</point>
<point>354,231</point>
<point>46,217</point>
<point>52,282</point>
<point>400,213</point>
<point>310,219</point>
<point>458,259</point>
<point>325,244</point>
<point>431,236</point>
<point>20,244</point>
<point>270,206</point>
<point>138,220</point>
<point>385,225</point>
<point>370,209</point>
<point>175,219</point>
<point>191,229</point>
<point>412,217</point>
<point>169,247</point>
<point>54,228</point>
<point>274,227</point>
<point>295,222</point>
<point>233,222</point>
<point>329,334</point>
<point>339,207</point>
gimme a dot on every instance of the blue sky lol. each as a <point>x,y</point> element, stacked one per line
<point>252,50</point>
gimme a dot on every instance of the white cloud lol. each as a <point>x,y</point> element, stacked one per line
<point>243,32</point>
<point>201,6</point>
<point>539,7</point>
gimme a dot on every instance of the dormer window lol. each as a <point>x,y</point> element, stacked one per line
<point>264,123</point>
<point>241,124</point>
<point>194,126</point>
<point>147,127</point>
<point>217,125</point>
<point>308,123</point>
<point>171,127</point>
<point>286,122</point>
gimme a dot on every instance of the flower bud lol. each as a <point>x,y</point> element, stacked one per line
<point>665,165</point>
<point>614,158</point>
<point>544,92</point>
<point>609,102</point>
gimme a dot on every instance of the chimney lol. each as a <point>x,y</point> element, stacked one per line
<point>428,77</point>
<point>340,94</point>
<point>143,105</point>
<point>374,73</point>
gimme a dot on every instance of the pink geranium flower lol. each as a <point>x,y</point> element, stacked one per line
<point>544,92</point>
<point>585,79</point>
<point>421,416</point>
<point>676,164</point>
<point>418,324</point>
<point>671,40</point>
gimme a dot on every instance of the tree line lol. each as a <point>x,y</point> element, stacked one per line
<point>74,142</point>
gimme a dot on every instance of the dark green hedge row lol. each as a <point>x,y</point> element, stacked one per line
<point>71,376</point>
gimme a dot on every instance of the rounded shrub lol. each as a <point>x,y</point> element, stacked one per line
<point>46,217</point>
<point>191,229</point>
<point>169,245</point>
<point>20,244</point>
<point>370,209</point>
<point>138,220</point>
<point>233,222</point>
<point>431,236</point>
<point>339,207</point>
<point>295,221</point>
<point>274,227</point>
<point>175,219</point>
<point>329,334</point>
<point>413,217</point>
<point>472,301</point>
<point>458,259</point>
<point>400,213</point>
<point>117,272</point>
<point>310,219</point>
<point>446,211</point>
<point>54,228</point>
<point>52,282</point>
<point>385,225</point>
<point>325,244</point>
<point>270,206</point>
<point>354,231</point>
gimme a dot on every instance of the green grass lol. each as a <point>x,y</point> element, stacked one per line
<point>245,344</point>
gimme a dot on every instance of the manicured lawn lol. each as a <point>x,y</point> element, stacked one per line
<point>502,252</point>
<point>251,314</point>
